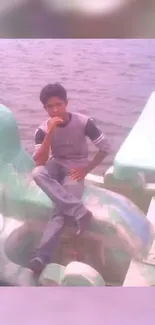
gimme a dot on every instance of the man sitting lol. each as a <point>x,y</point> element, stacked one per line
<point>61,175</point>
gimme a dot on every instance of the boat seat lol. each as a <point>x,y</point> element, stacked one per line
<point>137,152</point>
<point>74,274</point>
<point>142,273</point>
<point>22,199</point>
<point>19,195</point>
<point>11,150</point>
<point>80,274</point>
<point>151,212</point>
<point>52,275</point>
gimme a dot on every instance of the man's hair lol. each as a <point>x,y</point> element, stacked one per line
<point>53,90</point>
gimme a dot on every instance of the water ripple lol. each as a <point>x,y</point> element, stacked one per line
<point>107,79</point>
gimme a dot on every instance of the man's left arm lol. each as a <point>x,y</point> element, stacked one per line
<point>100,141</point>
<point>102,144</point>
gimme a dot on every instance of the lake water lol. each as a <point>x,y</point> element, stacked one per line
<point>110,80</point>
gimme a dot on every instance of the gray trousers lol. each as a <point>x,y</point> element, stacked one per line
<point>66,194</point>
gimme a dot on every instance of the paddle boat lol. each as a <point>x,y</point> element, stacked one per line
<point>121,233</point>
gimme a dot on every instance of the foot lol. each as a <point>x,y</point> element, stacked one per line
<point>36,265</point>
<point>84,222</point>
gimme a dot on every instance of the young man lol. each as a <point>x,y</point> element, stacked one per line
<point>61,176</point>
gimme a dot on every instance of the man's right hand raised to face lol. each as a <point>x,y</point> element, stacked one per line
<point>52,123</point>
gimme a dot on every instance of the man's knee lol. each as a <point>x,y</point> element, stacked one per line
<point>76,188</point>
<point>38,172</point>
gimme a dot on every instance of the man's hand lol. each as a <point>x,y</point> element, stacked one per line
<point>52,123</point>
<point>78,173</point>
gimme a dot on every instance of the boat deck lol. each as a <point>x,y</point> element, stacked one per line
<point>137,154</point>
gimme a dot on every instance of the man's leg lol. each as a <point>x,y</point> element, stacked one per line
<point>53,230</point>
<point>51,235</point>
<point>48,244</point>
<point>76,188</point>
<point>65,200</point>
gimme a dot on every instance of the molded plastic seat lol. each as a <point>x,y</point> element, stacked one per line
<point>11,151</point>
<point>140,275</point>
<point>21,198</point>
<point>74,274</point>
<point>52,275</point>
<point>80,274</point>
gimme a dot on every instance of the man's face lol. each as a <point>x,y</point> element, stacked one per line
<point>56,107</point>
